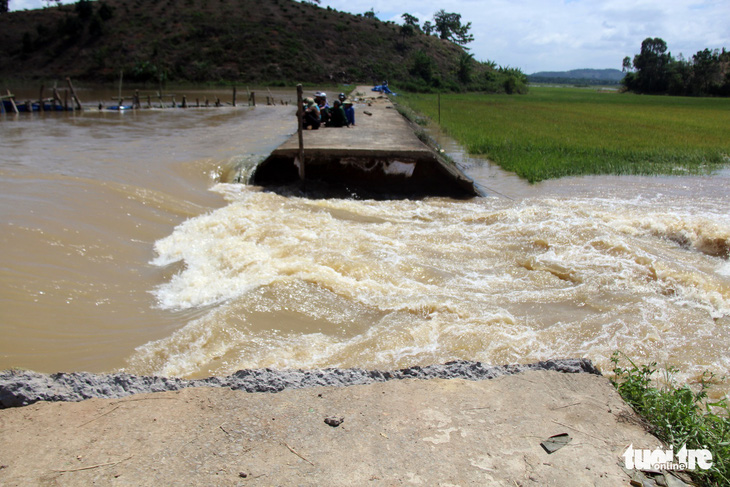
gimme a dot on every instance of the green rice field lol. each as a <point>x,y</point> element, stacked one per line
<point>557,132</point>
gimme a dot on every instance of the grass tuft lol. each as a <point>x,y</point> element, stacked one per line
<point>679,415</point>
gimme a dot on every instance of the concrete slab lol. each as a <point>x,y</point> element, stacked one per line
<point>384,130</point>
<point>380,153</point>
<point>405,432</point>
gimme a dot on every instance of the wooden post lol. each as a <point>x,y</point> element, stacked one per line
<point>65,99</point>
<point>234,96</point>
<point>121,78</point>
<point>300,130</point>
<point>56,98</point>
<point>12,102</point>
<point>174,103</point>
<point>137,104</point>
<point>149,101</point>
<point>185,101</point>
<point>73,94</point>
<point>41,105</point>
<point>162,103</point>
<point>253,99</point>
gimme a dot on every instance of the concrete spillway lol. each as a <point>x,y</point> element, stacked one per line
<point>380,154</point>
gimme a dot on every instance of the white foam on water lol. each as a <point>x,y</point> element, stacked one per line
<point>305,283</point>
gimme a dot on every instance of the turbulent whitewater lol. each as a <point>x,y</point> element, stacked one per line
<point>137,251</point>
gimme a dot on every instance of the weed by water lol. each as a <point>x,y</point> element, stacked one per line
<point>557,132</point>
<point>679,415</point>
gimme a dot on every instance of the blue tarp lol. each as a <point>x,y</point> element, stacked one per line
<point>384,89</point>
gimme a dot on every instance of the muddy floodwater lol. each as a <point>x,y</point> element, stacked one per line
<point>126,245</point>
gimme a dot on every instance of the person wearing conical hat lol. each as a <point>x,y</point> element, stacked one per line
<point>349,111</point>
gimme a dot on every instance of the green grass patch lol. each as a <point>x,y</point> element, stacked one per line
<point>679,415</point>
<point>557,132</point>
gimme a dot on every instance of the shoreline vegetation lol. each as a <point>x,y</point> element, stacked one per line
<point>557,132</point>
<point>678,415</point>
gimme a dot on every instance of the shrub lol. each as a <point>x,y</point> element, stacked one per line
<point>679,415</point>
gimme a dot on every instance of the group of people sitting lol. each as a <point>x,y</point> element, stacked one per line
<point>318,112</point>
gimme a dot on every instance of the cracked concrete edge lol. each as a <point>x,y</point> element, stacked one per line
<point>21,387</point>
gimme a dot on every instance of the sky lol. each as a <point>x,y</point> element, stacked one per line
<point>558,35</point>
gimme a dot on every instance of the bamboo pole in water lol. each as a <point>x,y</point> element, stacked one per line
<point>41,106</point>
<point>73,94</point>
<point>121,78</point>
<point>234,96</point>
<point>56,98</point>
<point>11,97</point>
<point>300,130</point>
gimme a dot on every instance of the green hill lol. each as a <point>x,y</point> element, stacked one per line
<point>252,41</point>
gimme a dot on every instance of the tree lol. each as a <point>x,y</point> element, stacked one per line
<point>466,65</point>
<point>626,65</point>
<point>428,28</point>
<point>422,66</point>
<point>652,66</point>
<point>409,19</point>
<point>407,30</point>
<point>656,71</point>
<point>706,70</point>
<point>449,27</point>
<point>4,6</point>
<point>370,14</point>
<point>409,27</point>
<point>514,80</point>
<point>84,9</point>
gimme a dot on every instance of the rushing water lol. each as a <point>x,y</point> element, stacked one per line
<point>126,246</point>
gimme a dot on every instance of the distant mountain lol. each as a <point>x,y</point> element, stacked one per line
<point>588,76</point>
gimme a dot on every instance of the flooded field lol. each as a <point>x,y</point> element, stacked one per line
<point>126,246</point>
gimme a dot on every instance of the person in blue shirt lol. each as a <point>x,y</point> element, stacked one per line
<point>320,98</point>
<point>349,111</point>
